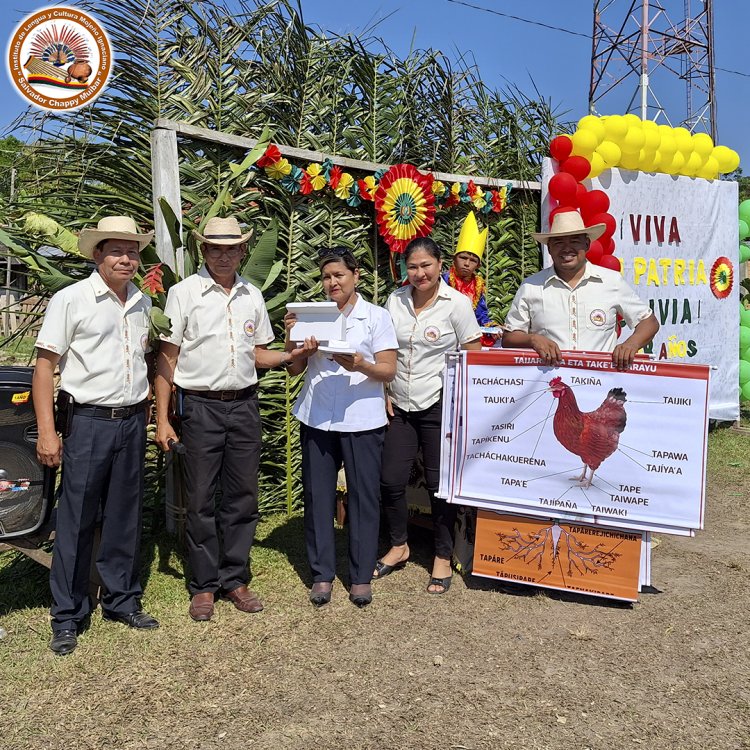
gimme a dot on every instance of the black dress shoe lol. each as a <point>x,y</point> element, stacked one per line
<point>138,619</point>
<point>362,597</point>
<point>63,642</point>
<point>320,593</point>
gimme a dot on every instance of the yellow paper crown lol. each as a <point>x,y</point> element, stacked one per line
<point>470,239</point>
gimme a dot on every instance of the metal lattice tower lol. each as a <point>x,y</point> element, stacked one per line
<point>645,51</point>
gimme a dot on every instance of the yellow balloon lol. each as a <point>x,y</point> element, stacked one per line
<point>652,136</point>
<point>650,125</point>
<point>584,143</point>
<point>632,120</point>
<point>593,124</point>
<point>678,162</point>
<point>610,152</point>
<point>646,160</point>
<point>726,159</point>
<point>633,141</point>
<point>630,161</point>
<point>598,165</point>
<point>657,162</point>
<point>710,170</point>
<point>703,144</point>
<point>684,140</point>
<point>668,145</point>
<point>616,127</point>
<point>693,164</point>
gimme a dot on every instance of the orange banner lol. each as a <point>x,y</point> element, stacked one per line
<point>573,557</point>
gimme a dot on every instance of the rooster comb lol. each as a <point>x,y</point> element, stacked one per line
<point>556,382</point>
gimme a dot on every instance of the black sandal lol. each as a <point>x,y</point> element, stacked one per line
<point>445,583</point>
<point>383,569</point>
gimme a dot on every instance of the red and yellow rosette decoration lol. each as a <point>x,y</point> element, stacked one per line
<point>721,278</point>
<point>404,206</point>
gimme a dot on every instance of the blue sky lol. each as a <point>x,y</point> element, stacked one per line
<point>506,50</point>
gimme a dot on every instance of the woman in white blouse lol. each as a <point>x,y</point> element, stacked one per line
<point>430,319</point>
<point>342,413</point>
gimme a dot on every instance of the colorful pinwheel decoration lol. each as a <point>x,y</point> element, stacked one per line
<point>404,206</point>
<point>721,278</point>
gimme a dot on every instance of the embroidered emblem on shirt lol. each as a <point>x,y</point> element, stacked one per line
<point>598,317</point>
<point>144,342</point>
<point>249,328</point>
<point>431,334</point>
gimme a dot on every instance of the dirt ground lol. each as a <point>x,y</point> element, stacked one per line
<point>486,666</point>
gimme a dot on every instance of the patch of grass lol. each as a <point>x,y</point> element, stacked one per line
<point>17,351</point>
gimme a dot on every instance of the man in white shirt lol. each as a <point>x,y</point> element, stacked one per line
<point>574,304</point>
<point>220,333</point>
<point>97,330</point>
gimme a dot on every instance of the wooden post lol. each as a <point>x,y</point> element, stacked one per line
<point>165,183</point>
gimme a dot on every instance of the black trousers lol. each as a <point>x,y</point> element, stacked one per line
<point>103,467</point>
<point>407,433</point>
<point>322,454</point>
<point>223,442</point>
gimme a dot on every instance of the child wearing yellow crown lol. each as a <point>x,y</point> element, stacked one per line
<point>463,276</point>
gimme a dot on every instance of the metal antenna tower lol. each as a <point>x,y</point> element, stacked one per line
<point>642,49</point>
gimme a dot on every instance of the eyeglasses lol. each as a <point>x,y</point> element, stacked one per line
<point>215,252</point>
<point>338,252</point>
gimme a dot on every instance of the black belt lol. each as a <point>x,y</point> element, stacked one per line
<point>224,395</point>
<point>110,412</point>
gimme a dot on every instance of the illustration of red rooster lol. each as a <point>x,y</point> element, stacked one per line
<point>593,435</point>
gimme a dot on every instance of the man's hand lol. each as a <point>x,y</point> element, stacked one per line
<point>49,449</point>
<point>301,353</point>
<point>624,354</point>
<point>164,434</point>
<point>548,350</point>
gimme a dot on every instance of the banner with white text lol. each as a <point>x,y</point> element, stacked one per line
<point>678,240</point>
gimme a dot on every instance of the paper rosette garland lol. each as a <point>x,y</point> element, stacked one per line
<point>721,278</point>
<point>404,206</point>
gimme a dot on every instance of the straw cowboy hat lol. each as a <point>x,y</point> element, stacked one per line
<point>112,228</point>
<point>222,232</point>
<point>567,223</point>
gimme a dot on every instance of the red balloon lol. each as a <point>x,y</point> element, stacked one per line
<point>594,254</point>
<point>560,147</point>
<point>597,202</point>
<point>607,219</point>
<point>562,187</point>
<point>609,261</point>
<point>577,166</point>
<point>608,245</point>
<point>580,194</point>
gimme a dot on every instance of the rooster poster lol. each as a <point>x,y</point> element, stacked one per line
<point>581,442</point>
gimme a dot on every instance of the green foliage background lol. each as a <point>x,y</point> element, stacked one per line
<point>240,66</point>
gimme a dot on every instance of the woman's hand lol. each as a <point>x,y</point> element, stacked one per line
<point>350,362</point>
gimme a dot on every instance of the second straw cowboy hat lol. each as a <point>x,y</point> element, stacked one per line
<point>567,223</point>
<point>112,228</point>
<point>222,232</point>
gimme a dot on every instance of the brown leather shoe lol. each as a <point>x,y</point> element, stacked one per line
<point>244,599</point>
<point>202,606</point>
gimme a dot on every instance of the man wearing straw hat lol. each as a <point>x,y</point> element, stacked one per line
<point>220,333</point>
<point>574,304</point>
<point>97,330</point>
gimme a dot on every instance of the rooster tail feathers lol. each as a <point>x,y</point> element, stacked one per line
<point>618,394</point>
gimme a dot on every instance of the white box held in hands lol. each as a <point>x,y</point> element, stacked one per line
<point>323,320</point>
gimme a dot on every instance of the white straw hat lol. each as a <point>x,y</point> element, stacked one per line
<point>222,232</point>
<point>112,228</point>
<point>567,223</point>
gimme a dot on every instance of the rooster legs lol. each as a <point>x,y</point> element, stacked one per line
<point>584,481</point>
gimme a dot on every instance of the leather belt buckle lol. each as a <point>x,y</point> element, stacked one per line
<point>120,412</point>
<point>228,395</point>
